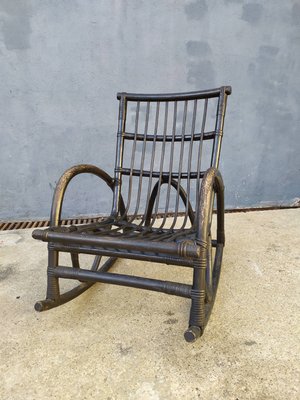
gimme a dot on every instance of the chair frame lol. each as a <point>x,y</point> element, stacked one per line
<point>195,253</point>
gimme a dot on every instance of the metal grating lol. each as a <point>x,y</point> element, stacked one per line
<point>11,225</point>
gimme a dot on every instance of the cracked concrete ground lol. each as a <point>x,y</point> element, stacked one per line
<point>121,343</point>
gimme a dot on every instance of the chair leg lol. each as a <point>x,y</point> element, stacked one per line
<point>197,313</point>
<point>54,298</point>
<point>53,284</point>
<point>53,292</point>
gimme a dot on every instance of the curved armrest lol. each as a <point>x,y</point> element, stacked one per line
<point>64,181</point>
<point>212,183</point>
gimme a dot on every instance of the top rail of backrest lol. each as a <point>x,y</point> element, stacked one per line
<point>204,94</point>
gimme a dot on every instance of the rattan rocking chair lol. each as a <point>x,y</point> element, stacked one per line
<point>162,207</point>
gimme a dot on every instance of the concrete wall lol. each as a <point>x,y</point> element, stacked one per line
<point>62,61</point>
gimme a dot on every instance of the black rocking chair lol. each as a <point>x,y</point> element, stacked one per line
<point>162,207</point>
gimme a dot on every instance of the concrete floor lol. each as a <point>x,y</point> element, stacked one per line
<point>120,343</point>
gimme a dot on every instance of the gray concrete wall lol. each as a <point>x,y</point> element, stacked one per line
<point>62,61</point>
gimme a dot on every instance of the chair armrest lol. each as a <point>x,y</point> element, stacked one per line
<point>63,183</point>
<point>212,183</point>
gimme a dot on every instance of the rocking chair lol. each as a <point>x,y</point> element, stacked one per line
<point>162,203</point>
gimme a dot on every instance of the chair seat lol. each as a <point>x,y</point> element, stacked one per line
<point>121,228</point>
<point>105,237</point>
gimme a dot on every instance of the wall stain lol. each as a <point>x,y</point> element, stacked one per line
<point>201,74</point>
<point>251,68</point>
<point>15,18</point>
<point>196,9</point>
<point>233,1</point>
<point>270,77</point>
<point>271,51</point>
<point>252,13</point>
<point>296,14</point>
<point>197,48</point>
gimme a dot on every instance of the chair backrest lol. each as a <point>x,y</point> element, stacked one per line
<point>165,142</point>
